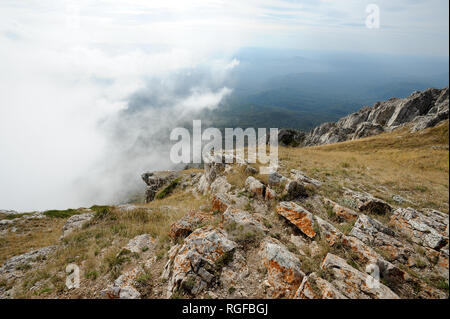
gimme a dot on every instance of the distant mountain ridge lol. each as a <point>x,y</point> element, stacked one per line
<point>422,109</point>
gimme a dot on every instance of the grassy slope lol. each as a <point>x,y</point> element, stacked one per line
<point>412,165</point>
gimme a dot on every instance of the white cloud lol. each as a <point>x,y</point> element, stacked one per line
<point>67,66</point>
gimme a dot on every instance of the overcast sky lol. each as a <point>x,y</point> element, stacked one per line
<point>65,66</point>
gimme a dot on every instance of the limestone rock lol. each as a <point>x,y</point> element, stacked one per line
<point>76,222</point>
<point>141,243</point>
<point>283,268</point>
<point>187,224</point>
<point>422,109</point>
<point>276,179</point>
<point>220,203</point>
<point>155,181</point>
<point>343,213</point>
<point>123,287</point>
<point>299,176</point>
<point>367,203</point>
<point>15,266</point>
<point>422,229</point>
<point>328,231</point>
<point>314,287</point>
<point>195,261</point>
<point>366,129</point>
<point>375,234</point>
<point>254,186</point>
<point>241,217</point>
<point>353,283</point>
<point>298,216</point>
<point>220,186</point>
<point>270,194</point>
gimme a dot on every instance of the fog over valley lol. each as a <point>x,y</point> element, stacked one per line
<point>90,90</point>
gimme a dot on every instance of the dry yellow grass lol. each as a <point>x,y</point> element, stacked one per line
<point>32,234</point>
<point>96,246</point>
<point>413,165</point>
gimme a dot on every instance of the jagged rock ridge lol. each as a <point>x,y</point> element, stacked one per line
<point>421,110</point>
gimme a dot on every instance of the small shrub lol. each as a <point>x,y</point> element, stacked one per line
<point>101,212</point>
<point>92,275</point>
<point>188,284</point>
<point>61,213</point>
<point>168,189</point>
<point>144,279</point>
<point>224,260</point>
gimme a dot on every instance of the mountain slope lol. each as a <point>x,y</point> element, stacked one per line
<point>420,110</point>
<point>242,232</point>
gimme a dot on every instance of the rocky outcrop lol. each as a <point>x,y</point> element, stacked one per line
<point>343,213</point>
<point>220,203</point>
<point>367,203</point>
<point>299,176</point>
<point>375,234</point>
<point>314,287</point>
<point>15,266</point>
<point>421,229</point>
<point>298,216</point>
<point>193,267</point>
<point>290,137</point>
<point>241,218</point>
<point>187,224</point>
<point>283,269</point>
<point>256,187</point>
<point>155,181</point>
<point>353,283</point>
<point>76,222</point>
<point>124,287</point>
<point>422,109</point>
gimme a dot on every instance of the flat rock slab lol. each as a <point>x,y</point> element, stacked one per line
<point>375,234</point>
<point>298,216</point>
<point>421,229</point>
<point>76,222</point>
<point>14,266</point>
<point>283,268</point>
<point>365,202</point>
<point>344,213</point>
<point>195,261</point>
<point>255,186</point>
<point>314,287</point>
<point>241,217</point>
<point>353,283</point>
<point>187,224</point>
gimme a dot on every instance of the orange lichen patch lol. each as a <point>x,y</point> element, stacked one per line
<point>418,228</point>
<point>187,224</point>
<point>342,212</point>
<point>330,233</point>
<point>284,281</point>
<point>270,194</point>
<point>443,260</point>
<point>305,291</point>
<point>220,204</point>
<point>392,251</point>
<point>298,216</point>
<point>255,186</point>
<point>345,213</point>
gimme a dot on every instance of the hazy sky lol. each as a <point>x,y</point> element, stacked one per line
<point>66,66</point>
